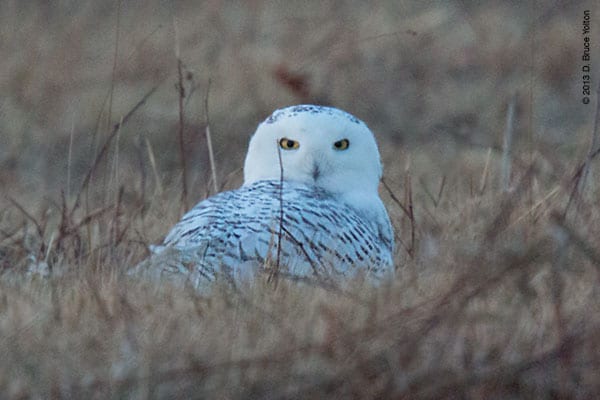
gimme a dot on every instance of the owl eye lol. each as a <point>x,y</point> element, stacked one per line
<point>341,144</point>
<point>288,144</point>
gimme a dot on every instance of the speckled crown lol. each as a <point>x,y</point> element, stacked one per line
<point>293,111</point>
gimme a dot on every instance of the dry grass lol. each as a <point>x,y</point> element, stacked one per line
<point>496,293</point>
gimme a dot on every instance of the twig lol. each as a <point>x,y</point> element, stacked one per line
<point>211,154</point>
<point>280,233</point>
<point>532,78</point>
<point>143,42</point>
<point>484,175</point>
<point>411,214</point>
<point>576,179</point>
<point>142,169</point>
<point>434,199</point>
<point>50,243</point>
<point>88,219</point>
<point>115,222</point>
<point>407,211</point>
<point>115,58</point>
<point>38,227</point>
<point>441,191</point>
<point>550,194</point>
<point>394,197</point>
<point>427,191</point>
<point>507,144</point>
<point>153,164</point>
<point>181,92</point>
<point>229,177</point>
<point>114,66</point>
<point>69,157</point>
<point>501,221</point>
<point>114,173</point>
<point>301,247</point>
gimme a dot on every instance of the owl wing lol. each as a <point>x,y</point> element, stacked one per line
<point>236,232</point>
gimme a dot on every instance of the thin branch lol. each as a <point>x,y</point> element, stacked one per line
<point>507,144</point>
<point>181,96</point>
<point>394,197</point>
<point>211,154</point>
<point>280,232</point>
<point>537,205</point>
<point>38,226</point>
<point>88,219</point>
<point>507,206</point>
<point>30,217</point>
<point>69,156</point>
<point>532,78</point>
<point>411,214</point>
<point>153,164</point>
<point>441,191</point>
<point>115,59</point>
<point>301,247</point>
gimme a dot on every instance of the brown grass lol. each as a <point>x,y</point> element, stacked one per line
<point>495,294</point>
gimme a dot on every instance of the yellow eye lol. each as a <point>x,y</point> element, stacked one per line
<point>288,144</point>
<point>341,144</point>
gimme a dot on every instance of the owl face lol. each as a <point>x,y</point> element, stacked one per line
<point>319,146</point>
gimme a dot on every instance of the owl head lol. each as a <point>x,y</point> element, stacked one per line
<point>320,146</point>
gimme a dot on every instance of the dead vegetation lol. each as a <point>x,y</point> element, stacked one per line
<point>495,202</point>
<point>490,306</point>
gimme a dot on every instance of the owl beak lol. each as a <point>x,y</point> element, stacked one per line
<point>316,172</point>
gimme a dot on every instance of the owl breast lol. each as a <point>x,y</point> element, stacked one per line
<point>301,229</point>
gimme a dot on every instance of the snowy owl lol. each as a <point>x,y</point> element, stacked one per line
<point>309,207</point>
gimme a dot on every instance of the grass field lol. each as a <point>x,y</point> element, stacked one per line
<point>497,261</point>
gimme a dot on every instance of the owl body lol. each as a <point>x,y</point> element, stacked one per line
<point>309,207</point>
<point>239,232</point>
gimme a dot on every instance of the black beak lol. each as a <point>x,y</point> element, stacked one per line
<point>316,172</point>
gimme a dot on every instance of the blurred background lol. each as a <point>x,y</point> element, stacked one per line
<point>433,79</point>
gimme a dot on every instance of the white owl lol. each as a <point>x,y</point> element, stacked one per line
<point>309,207</point>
